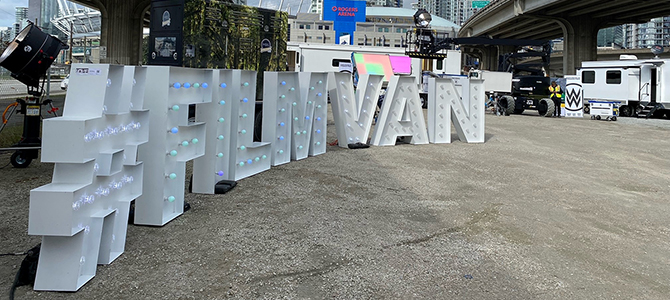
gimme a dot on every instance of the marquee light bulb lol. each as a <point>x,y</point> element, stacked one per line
<point>174,130</point>
<point>176,85</point>
<point>243,131</point>
<point>300,147</point>
<point>205,85</point>
<point>292,89</point>
<point>304,132</point>
<point>175,107</point>
<point>281,151</point>
<point>246,84</point>
<point>282,110</point>
<point>222,102</point>
<point>264,156</point>
<point>257,158</point>
<point>294,104</point>
<point>244,115</point>
<point>184,143</point>
<point>342,82</point>
<point>318,143</point>
<point>320,82</point>
<point>318,131</point>
<point>170,199</point>
<point>281,124</point>
<point>249,161</point>
<point>172,176</point>
<point>223,85</point>
<point>282,96</point>
<point>241,164</point>
<point>196,85</point>
<point>220,173</point>
<point>318,118</point>
<point>109,82</point>
<point>242,147</point>
<point>283,83</point>
<point>309,102</point>
<point>245,100</point>
<point>173,153</point>
<point>306,117</point>
<point>319,94</point>
<point>297,133</point>
<point>281,137</point>
<point>194,141</point>
<point>311,88</point>
<point>221,120</point>
<point>318,106</point>
<point>187,85</point>
<point>295,119</point>
<point>220,137</point>
<point>220,155</point>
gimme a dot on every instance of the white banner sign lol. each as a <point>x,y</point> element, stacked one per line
<point>574,97</point>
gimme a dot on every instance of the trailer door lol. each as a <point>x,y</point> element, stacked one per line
<point>644,93</point>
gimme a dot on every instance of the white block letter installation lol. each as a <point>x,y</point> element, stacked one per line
<point>353,112</point>
<point>465,104</point>
<point>83,214</point>
<point>401,114</point>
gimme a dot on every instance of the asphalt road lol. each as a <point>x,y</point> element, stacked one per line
<point>546,209</point>
<point>10,88</point>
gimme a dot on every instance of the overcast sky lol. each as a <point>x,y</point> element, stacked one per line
<point>7,7</point>
<point>7,11</point>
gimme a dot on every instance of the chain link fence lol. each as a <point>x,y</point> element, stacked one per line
<point>10,88</point>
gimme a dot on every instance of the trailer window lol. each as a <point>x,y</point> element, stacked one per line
<point>613,77</point>
<point>439,64</point>
<point>589,77</point>
<point>336,62</point>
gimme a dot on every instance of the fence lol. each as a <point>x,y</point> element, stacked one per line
<point>11,88</point>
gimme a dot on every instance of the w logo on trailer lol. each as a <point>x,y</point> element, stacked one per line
<point>574,97</point>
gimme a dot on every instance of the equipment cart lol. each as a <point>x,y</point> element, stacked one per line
<point>604,109</point>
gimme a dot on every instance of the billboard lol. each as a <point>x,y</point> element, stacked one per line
<point>344,14</point>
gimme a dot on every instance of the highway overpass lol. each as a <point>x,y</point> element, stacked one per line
<point>577,21</point>
<point>121,32</point>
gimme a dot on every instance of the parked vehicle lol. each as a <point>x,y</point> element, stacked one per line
<point>641,87</point>
<point>64,83</point>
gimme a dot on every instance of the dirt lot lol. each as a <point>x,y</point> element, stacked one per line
<point>545,209</point>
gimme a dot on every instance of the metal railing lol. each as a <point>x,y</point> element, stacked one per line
<point>11,88</point>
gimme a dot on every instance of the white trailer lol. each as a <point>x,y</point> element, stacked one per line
<point>327,58</point>
<point>642,87</point>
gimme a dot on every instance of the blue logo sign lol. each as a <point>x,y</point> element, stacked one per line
<point>344,14</point>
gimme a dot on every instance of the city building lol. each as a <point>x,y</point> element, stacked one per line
<point>611,37</point>
<point>457,11</point>
<point>316,7</point>
<point>42,12</point>
<point>21,19</point>
<point>383,26</point>
<point>645,35</point>
<point>309,28</point>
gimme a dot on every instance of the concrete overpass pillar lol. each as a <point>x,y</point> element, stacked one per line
<point>489,58</point>
<point>580,42</point>
<point>122,30</point>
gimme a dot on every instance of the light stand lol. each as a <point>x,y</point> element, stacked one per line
<point>29,57</point>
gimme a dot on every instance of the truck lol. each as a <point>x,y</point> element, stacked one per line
<point>306,57</point>
<point>640,86</point>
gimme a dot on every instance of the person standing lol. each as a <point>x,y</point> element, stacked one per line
<point>556,94</point>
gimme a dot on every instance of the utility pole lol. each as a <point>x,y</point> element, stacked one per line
<point>71,43</point>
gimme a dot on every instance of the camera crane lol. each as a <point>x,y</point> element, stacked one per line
<point>530,84</point>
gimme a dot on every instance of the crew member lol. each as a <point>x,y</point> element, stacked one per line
<point>555,94</point>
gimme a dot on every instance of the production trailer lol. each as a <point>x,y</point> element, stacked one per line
<point>304,57</point>
<point>641,87</point>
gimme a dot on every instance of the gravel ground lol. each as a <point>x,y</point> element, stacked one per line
<point>546,209</point>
